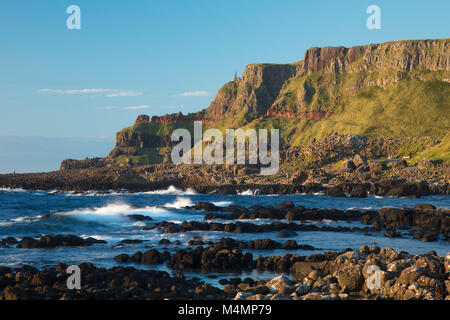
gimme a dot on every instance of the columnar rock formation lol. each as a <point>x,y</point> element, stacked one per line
<point>142,118</point>
<point>282,90</point>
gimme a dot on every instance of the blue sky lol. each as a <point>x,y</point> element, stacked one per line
<point>158,57</point>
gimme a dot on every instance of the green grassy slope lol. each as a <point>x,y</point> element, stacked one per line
<point>409,107</point>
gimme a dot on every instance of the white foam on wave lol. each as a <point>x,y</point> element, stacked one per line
<point>172,190</point>
<point>248,192</point>
<point>93,193</point>
<point>222,203</point>
<point>116,212</point>
<point>13,189</point>
<point>180,202</point>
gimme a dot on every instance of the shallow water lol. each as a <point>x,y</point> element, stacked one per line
<point>105,216</point>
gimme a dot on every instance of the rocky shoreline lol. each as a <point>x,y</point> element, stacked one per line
<point>344,275</point>
<point>133,180</point>
<point>322,275</point>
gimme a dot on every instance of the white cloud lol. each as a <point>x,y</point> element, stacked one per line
<point>125,94</point>
<point>193,94</point>
<point>144,106</point>
<point>108,92</point>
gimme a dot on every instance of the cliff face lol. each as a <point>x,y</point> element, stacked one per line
<point>405,56</point>
<point>393,89</point>
<point>70,164</point>
<point>141,140</point>
<point>311,88</point>
<point>251,96</point>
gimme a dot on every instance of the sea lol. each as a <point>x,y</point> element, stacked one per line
<point>105,215</point>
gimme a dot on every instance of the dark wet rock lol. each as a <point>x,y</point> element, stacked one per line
<point>9,241</point>
<point>289,212</point>
<point>207,290</point>
<point>392,233</point>
<point>367,218</point>
<point>429,219</point>
<point>424,207</point>
<point>195,242</point>
<point>409,189</point>
<point>164,241</point>
<point>27,243</point>
<point>121,258</point>
<point>206,206</point>
<point>211,259</point>
<point>131,241</point>
<point>429,237</point>
<point>139,217</point>
<point>245,227</point>
<point>263,244</point>
<point>286,234</point>
<point>358,192</point>
<point>53,241</point>
<point>90,241</point>
<point>306,247</point>
<point>395,217</point>
<point>335,191</point>
<point>290,245</point>
<point>152,256</point>
<point>118,283</point>
<point>284,205</point>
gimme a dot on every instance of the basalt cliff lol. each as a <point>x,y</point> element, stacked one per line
<point>395,89</point>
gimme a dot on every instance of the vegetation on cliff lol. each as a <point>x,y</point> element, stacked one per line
<point>395,89</point>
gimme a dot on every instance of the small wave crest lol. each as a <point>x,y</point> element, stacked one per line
<point>115,212</point>
<point>173,190</point>
<point>249,192</point>
<point>180,202</point>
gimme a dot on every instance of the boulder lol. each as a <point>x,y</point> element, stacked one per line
<point>301,269</point>
<point>206,206</point>
<point>279,283</point>
<point>409,189</point>
<point>350,278</point>
<point>335,191</point>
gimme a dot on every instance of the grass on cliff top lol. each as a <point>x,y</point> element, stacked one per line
<point>147,156</point>
<point>407,108</point>
<point>440,151</point>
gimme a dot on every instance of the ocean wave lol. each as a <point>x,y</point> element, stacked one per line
<point>13,189</point>
<point>6,223</point>
<point>249,192</point>
<point>172,190</point>
<point>94,193</point>
<point>222,203</point>
<point>180,202</point>
<point>115,212</point>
